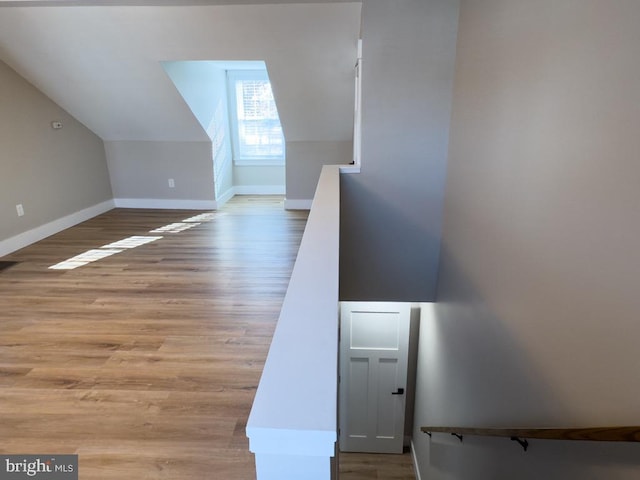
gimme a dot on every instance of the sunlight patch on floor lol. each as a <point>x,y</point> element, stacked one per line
<point>84,258</point>
<point>131,242</point>
<point>174,228</point>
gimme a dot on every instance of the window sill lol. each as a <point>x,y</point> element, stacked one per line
<point>259,163</point>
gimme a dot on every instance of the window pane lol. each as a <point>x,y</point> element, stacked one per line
<point>259,130</point>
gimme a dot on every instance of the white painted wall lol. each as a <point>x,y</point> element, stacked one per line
<point>537,316</point>
<point>292,427</point>
<point>52,173</point>
<point>203,86</point>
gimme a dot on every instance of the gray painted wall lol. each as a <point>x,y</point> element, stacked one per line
<point>141,170</point>
<point>305,161</point>
<point>537,315</point>
<point>391,212</point>
<point>53,173</point>
<point>310,51</point>
<point>253,177</point>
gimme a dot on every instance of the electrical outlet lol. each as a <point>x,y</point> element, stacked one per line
<point>20,210</point>
<point>172,183</point>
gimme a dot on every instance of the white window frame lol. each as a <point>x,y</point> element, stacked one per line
<point>232,77</point>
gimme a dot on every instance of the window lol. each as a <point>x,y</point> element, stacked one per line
<point>255,125</point>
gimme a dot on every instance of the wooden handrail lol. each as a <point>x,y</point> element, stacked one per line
<point>598,434</point>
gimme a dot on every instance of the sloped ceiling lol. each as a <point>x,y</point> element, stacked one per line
<point>102,63</point>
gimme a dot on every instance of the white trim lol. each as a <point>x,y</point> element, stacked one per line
<point>357,113</point>
<point>260,162</point>
<point>297,204</point>
<point>178,204</point>
<point>225,197</point>
<point>416,469</point>
<point>166,204</point>
<point>259,190</point>
<point>43,231</point>
<point>294,412</point>
<point>278,441</point>
<point>349,168</point>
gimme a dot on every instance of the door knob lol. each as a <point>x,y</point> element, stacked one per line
<point>399,391</point>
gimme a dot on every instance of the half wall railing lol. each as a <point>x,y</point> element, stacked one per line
<point>292,427</point>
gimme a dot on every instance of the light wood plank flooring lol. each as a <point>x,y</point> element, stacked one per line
<point>367,466</point>
<point>145,363</point>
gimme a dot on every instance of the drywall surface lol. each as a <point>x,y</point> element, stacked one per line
<point>305,161</point>
<point>267,179</point>
<point>141,170</point>
<point>391,211</point>
<point>537,316</point>
<point>309,50</point>
<point>51,173</point>
<point>203,86</point>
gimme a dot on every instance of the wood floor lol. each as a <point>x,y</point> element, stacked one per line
<point>145,363</point>
<point>367,466</point>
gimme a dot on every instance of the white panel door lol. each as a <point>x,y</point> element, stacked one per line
<point>374,343</point>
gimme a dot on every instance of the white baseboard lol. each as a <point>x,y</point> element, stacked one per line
<point>416,468</point>
<point>177,204</point>
<point>259,190</point>
<point>166,204</point>
<point>225,197</point>
<point>296,204</point>
<point>36,234</point>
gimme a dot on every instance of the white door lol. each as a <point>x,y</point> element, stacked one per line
<point>374,342</point>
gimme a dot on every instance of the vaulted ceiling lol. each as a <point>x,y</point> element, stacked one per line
<point>103,63</point>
